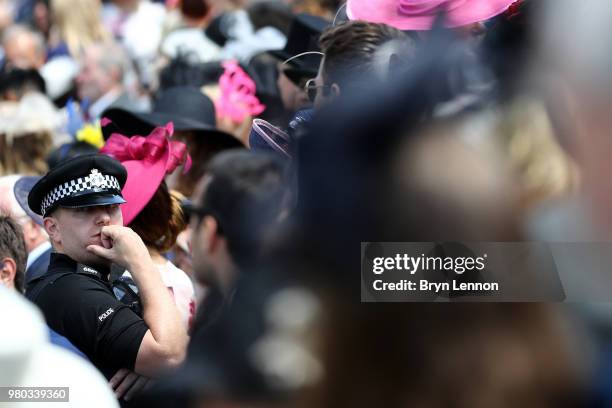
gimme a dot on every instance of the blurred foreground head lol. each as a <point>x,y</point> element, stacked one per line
<point>27,358</point>
<point>387,168</point>
<point>382,165</point>
<point>433,355</point>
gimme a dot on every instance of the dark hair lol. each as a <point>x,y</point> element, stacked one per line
<point>194,8</point>
<point>19,81</point>
<point>245,195</point>
<point>202,149</point>
<point>68,151</point>
<point>181,71</point>
<point>160,221</point>
<point>262,68</point>
<point>12,245</point>
<point>350,49</point>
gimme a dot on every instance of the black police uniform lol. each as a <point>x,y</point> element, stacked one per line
<point>78,303</point>
<point>77,300</point>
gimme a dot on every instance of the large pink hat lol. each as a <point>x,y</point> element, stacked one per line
<point>147,161</point>
<point>420,14</point>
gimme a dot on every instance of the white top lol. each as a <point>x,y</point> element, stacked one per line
<point>140,31</point>
<point>244,42</point>
<point>181,289</point>
<point>191,43</point>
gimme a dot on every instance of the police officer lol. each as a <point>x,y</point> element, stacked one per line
<point>79,201</point>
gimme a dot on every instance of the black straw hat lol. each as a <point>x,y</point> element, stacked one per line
<point>303,39</point>
<point>186,107</point>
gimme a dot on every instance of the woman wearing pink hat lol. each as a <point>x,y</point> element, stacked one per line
<point>151,210</point>
<point>419,15</point>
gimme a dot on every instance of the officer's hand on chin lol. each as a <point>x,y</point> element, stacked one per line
<point>122,246</point>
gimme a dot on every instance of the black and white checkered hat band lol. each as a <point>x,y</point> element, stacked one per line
<point>94,182</point>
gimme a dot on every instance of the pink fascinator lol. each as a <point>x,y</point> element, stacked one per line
<point>237,100</point>
<point>147,160</point>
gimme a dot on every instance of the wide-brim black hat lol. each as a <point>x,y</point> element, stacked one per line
<point>303,38</point>
<point>298,75</point>
<point>130,123</point>
<point>186,107</point>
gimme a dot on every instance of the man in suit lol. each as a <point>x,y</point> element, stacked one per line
<point>13,201</point>
<point>100,82</point>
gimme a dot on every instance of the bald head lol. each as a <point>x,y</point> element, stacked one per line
<point>8,202</point>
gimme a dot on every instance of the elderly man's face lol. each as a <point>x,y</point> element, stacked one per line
<point>73,229</point>
<point>93,80</point>
<point>22,52</point>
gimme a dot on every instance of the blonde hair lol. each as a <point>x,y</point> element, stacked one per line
<point>27,131</point>
<point>79,23</point>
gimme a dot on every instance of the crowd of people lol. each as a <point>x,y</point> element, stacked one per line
<point>185,186</point>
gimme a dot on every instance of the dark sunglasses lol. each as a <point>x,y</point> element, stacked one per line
<point>190,209</point>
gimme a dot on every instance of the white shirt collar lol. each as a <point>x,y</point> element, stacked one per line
<point>96,108</point>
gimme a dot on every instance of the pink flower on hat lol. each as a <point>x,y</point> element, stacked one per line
<point>150,148</point>
<point>147,160</point>
<point>237,100</point>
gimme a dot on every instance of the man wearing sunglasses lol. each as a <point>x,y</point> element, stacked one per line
<point>351,57</point>
<point>299,60</point>
<point>236,205</point>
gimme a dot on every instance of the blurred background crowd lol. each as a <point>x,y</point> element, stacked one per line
<point>299,129</point>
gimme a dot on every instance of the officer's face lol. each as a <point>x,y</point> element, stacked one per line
<point>72,229</point>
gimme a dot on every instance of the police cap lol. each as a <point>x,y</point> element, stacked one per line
<point>83,181</point>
